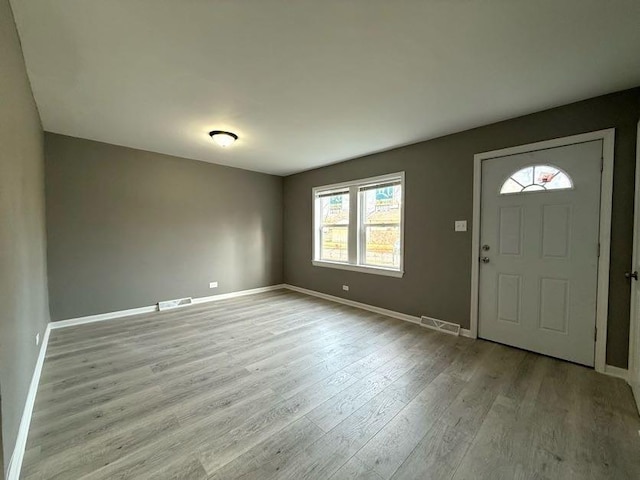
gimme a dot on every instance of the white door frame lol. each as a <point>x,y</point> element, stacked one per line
<point>634,325</point>
<point>606,194</point>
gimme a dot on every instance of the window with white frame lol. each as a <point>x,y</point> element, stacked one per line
<point>359,225</point>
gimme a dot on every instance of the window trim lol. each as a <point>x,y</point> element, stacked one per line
<point>355,226</point>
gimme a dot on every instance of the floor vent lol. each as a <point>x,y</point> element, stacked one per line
<point>178,302</point>
<point>441,326</point>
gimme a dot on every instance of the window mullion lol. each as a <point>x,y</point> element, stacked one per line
<point>353,224</point>
<point>361,232</point>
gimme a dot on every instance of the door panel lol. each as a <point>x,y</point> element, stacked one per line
<point>554,305</point>
<point>556,228</point>
<point>509,298</point>
<point>510,236</point>
<point>538,288</point>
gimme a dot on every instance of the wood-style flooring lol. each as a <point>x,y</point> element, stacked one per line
<point>286,386</point>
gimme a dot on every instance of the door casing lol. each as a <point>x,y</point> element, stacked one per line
<point>634,325</point>
<point>606,194</point>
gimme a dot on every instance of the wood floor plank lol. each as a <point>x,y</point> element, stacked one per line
<point>281,385</point>
<point>187,439</point>
<point>505,448</point>
<point>186,467</point>
<point>123,408</point>
<point>88,457</point>
<point>469,409</point>
<point>435,360</point>
<point>343,404</point>
<point>256,428</point>
<point>391,446</point>
<point>355,469</point>
<point>327,455</point>
<point>267,458</point>
<point>437,455</point>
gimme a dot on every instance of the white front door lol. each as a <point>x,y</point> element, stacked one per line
<point>539,250</point>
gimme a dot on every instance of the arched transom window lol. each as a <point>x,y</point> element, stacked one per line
<point>535,178</point>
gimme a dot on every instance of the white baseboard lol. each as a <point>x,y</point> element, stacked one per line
<point>103,316</point>
<point>352,303</point>
<point>465,332</point>
<point>154,308</point>
<point>15,463</point>
<point>364,306</point>
<point>618,372</point>
<point>240,293</point>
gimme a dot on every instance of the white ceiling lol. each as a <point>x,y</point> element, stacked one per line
<point>307,83</point>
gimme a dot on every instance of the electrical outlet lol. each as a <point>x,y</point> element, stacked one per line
<point>460,225</point>
<point>345,288</point>
<point>37,339</point>
<point>213,284</point>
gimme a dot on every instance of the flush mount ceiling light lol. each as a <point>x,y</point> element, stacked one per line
<point>222,138</point>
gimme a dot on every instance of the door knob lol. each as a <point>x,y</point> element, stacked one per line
<point>633,275</point>
<point>484,259</point>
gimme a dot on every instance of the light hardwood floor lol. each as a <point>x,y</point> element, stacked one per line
<point>286,386</point>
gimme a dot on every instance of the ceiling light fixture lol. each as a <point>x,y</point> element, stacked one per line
<point>222,138</point>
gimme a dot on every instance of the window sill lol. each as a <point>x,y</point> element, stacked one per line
<point>359,268</point>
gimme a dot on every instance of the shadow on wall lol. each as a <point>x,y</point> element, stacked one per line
<point>254,257</point>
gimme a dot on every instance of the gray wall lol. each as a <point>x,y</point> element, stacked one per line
<point>127,228</point>
<point>439,178</point>
<point>23,284</point>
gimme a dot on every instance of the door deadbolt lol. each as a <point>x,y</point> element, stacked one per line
<point>486,248</point>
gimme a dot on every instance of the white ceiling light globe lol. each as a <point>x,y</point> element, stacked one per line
<point>224,139</point>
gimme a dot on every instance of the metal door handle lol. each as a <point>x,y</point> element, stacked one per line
<point>633,275</point>
<point>487,260</point>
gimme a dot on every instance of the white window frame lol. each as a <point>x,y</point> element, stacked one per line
<point>356,219</point>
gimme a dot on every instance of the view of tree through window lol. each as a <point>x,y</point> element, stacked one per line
<point>536,178</point>
<point>381,217</point>
<point>334,227</point>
